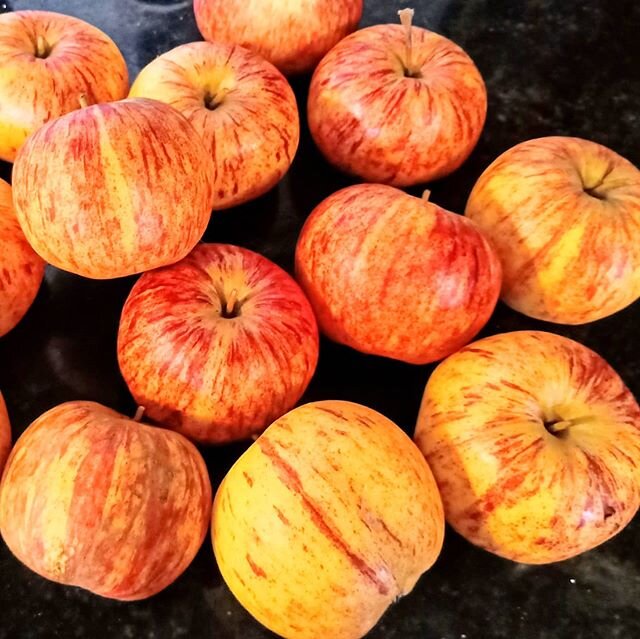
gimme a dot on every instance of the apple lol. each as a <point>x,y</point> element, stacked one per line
<point>564,216</point>
<point>292,34</point>
<point>5,434</point>
<point>394,275</point>
<point>21,269</point>
<point>534,441</point>
<point>93,499</point>
<point>114,189</point>
<point>397,104</point>
<point>47,60</point>
<point>218,345</point>
<point>239,103</point>
<point>329,517</point>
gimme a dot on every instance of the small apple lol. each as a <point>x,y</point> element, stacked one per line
<point>534,441</point>
<point>218,345</point>
<point>564,216</point>
<point>5,434</point>
<point>92,499</point>
<point>240,104</point>
<point>293,35</point>
<point>47,61</point>
<point>397,104</point>
<point>328,518</point>
<point>114,189</point>
<point>394,275</point>
<point>21,269</point>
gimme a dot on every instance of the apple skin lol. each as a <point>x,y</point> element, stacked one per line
<point>21,269</point>
<point>393,275</point>
<point>326,520</point>
<point>292,34</point>
<point>568,256</point>
<point>213,378</point>
<point>508,484</point>
<point>254,130</point>
<point>369,120</point>
<point>5,434</point>
<point>33,90</point>
<point>90,498</point>
<point>114,189</point>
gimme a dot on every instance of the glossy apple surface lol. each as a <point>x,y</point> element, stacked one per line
<point>218,345</point>
<point>5,434</point>
<point>394,275</point>
<point>292,34</point>
<point>371,120</point>
<point>47,61</point>
<point>114,189</point>
<point>534,441</point>
<point>21,269</point>
<point>328,518</point>
<point>239,103</point>
<point>90,498</point>
<point>564,216</point>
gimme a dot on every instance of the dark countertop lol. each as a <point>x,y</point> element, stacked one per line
<point>567,67</point>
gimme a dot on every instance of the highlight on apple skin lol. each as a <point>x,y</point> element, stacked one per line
<point>292,34</point>
<point>90,498</point>
<point>5,434</point>
<point>564,216</point>
<point>393,275</point>
<point>114,189</point>
<point>393,113</point>
<point>218,345</point>
<point>48,60</point>
<point>239,103</point>
<point>21,269</point>
<point>326,520</point>
<point>534,441</point>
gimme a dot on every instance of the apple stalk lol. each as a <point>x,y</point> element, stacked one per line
<point>406,19</point>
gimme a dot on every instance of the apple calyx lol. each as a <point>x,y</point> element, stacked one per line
<point>42,47</point>
<point>406,19</point>
<point>139,413</point>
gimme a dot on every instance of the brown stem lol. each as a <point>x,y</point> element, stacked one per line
<point>139,413</point>
<point>406,19</point>
<point>558,427</point>
<point>82,101</point>
<point>231,302</point>
<point>426,195</point>
<point>213,100</point>
<point>42,48</point>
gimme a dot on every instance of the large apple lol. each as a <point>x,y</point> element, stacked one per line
<point>564,216</point>
<point>239,103</point>
<point>292,34</point>
<point>218,345</point>
<point>397,105</point>
<point>114,189</point>
<point>534,441</point>
<point>5,434</point>
<point>394,275</point>
<point>90,498</point>
<point>21,269</point>
<point>327,520</point>
<point>47,61</point>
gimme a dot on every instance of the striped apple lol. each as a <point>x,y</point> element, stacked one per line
<point>394,275</point>
<point>534,441</point>
<point>47,61</point>
<point>564,216</point>
<point>397,104</point>
<point>21,269</point>
<point>114,189</point>
<point>327,520</point>
<point>240,104</point>
<point>5,434</point>
<point>292,34</point>
<point>218,345</point>
<point>92,499</point>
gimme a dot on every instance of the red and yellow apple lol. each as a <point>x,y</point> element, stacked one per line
<point>5,434</point>
<point>239,103</point>
<point>292,34</point>
<point>21,269</point>
<point>114,189</point>
<point>92,499</point>
<point>564,216</point>
<point>397,105</point>
<point>218,345</point>
<point>394,275</point>
<point>328,518</point>
<point>534,441</point>
<point>47,61</point>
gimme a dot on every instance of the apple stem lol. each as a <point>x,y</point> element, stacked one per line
<point>42,48</point>
<point>558,427</point>
<point>406,19</point>
<point>82,101</point>
<point>231,301</point>
<point>139,413</point>
<point>426,195</point>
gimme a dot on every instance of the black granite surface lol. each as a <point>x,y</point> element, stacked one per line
<point>552,67</point>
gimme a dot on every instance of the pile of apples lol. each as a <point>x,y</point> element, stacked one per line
<point>527,442</point>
